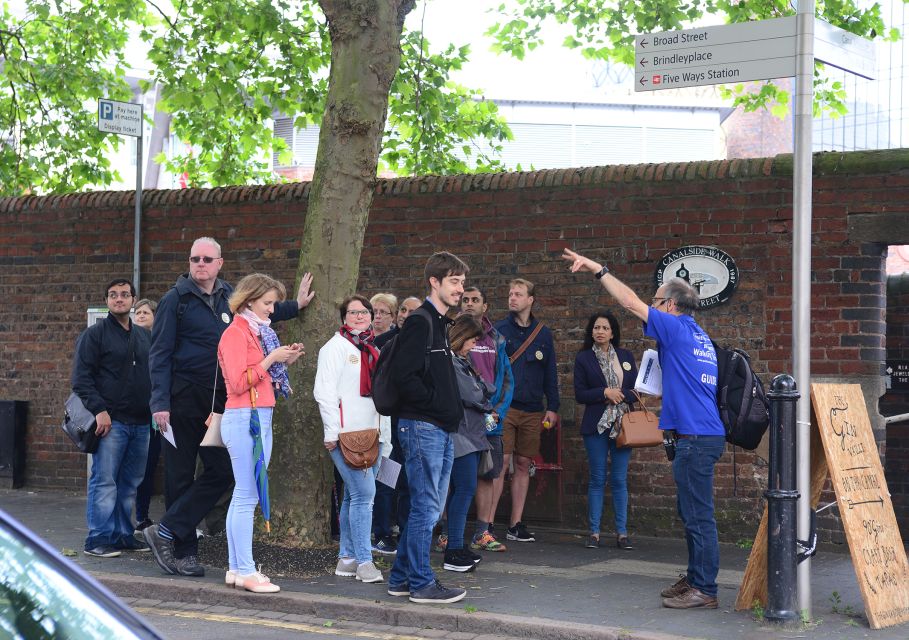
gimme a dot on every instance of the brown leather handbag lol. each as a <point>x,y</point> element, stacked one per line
<point>359,448</point>
<point>640,428</point>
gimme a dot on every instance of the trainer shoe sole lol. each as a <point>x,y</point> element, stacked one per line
<point>455,598</point>
<point>399,591</point>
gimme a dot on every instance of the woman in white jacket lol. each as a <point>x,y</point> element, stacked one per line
<point>343,391</point>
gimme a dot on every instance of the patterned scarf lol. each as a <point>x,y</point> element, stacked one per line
<point>270,342</point>
<point>369,355</point>
<point>612,416</point>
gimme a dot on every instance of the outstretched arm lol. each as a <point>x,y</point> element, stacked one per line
<point>614,287</point>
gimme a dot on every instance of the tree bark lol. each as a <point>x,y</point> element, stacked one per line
<point>366,52</point>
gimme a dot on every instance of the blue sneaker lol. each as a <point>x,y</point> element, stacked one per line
<point>385,547</point>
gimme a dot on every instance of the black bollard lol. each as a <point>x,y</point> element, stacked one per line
<point>781,494</point>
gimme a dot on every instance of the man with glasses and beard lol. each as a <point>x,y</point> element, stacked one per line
<point>186,387</point>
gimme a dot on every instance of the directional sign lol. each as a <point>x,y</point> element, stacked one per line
<point>124,118</point>
<point>844,50</point>
<point>715,55</point>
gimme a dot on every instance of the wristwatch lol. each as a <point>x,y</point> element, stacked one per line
<point>602,272</point>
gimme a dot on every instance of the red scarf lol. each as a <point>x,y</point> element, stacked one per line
<point>369,355</point>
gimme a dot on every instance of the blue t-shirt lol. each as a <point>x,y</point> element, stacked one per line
<point>688,360</point>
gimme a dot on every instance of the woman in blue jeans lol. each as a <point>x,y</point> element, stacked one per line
<point>469,441</point>
<point>604,376</point>
<point>343,390</point>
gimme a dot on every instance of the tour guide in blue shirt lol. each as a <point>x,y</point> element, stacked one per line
<point>688,360</point>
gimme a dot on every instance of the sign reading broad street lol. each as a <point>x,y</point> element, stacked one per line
<point>123,118</point>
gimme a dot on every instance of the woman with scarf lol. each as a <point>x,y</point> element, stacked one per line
<point>604,376</point>
<point>343,389</point>
<point>254,365</point>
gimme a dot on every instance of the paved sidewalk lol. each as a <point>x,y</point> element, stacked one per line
<point>554,589</point>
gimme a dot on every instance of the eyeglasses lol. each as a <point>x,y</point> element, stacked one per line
<point>113,295</point>
<point>662,301</point>
<point>205,259</point>
<point>472,299</point>
<point>382,313</point>
<point>359,313</point>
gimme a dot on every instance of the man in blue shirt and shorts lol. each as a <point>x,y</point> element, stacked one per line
<point>689,365</point>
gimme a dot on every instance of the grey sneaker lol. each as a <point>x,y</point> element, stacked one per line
<point>162,550</point>
<point>435,593</point>
<point>189,566</point>
<point>347,568</point>
<point>367,572</point>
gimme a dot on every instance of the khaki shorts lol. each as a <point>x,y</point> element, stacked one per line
<point>521,432</point>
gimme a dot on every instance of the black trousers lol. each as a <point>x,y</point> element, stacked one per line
<point>188,498</point>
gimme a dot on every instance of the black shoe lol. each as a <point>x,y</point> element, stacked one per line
<point>457,560</point>
<point>520,533</point>
<point>189,566</point>
<point>476,557</point>
<point>135,544</point>
<point>399,590</point>
<point>593,542</point>
<point>435,593</point>
<point>142,526</point>
<point>162,550</point>
<point>385,546</point>
<point>103,551</point>
<point>622,542</point>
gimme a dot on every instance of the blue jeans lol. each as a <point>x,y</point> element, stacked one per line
<point>463,487</point>
<point>695,459</point>
<point>241,513</point>
<point>117,469</point>
<point>428,455</point>
<point>355,515</point>
<point>600,449</point>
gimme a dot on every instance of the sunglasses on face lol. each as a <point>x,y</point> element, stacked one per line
<point>205,259</point>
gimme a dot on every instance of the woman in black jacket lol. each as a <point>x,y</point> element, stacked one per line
<point>604,376</point>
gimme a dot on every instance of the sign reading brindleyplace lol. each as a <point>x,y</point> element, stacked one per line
<point>711,271</point>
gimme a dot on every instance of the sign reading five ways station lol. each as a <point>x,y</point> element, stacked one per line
<point>123,118</point>
<point>740,52</point>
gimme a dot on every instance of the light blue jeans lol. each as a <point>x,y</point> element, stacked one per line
<point>118,467</point>
<point>356,508</point>
<point>428,456</point>
<point>239,442</point>
<point>603,455</point>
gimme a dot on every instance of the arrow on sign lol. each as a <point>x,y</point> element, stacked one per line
<point>643,43</point>
<point>643,81</point>
<point>852,504</point>
<point>643,61</point>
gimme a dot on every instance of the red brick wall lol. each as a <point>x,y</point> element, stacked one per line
<point>57,253</point>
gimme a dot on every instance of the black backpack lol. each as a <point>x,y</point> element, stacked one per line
<point>743,404</point>
<point>385,393</point>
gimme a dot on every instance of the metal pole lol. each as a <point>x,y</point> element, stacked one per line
<point>781,503</point>
<point>801,275</point>
<point>138,217</point>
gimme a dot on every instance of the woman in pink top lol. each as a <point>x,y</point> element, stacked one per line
<point>254,367</point>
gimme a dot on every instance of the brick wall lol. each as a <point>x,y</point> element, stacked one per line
<point>57,253</point>
<point>896,401</point>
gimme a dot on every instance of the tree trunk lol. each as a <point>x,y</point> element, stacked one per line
<point>365,54</point>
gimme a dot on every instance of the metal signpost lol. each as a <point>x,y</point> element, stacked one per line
<point>125,119</point>
<point>762,50</point>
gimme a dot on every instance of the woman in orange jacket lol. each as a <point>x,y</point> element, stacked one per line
<point>254,365</point>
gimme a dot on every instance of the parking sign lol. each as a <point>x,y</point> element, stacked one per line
<point>123,118</point>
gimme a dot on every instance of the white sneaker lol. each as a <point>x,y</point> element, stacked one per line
<point>368,572</point>
<point>257,583</point>
<point>347,568</point>
<point>230,578</point>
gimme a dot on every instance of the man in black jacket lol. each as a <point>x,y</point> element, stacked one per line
<point>429,412</point>
<point>186,387</point>
<point>110,376</point>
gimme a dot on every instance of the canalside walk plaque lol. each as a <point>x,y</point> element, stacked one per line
<point>715,55</point>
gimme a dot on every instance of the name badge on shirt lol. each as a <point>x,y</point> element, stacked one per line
<point>353,359</point>
<point>225,318</point>
<point>539,355</point>
<point>626,366</point>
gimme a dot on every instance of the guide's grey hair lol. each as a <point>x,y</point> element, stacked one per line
<point>683,294</point>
